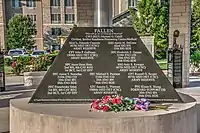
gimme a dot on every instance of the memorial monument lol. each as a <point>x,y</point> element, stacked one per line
<point>104,61</point>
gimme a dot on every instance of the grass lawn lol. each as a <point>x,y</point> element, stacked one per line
<point>161,61</point>
<point>162,64</point>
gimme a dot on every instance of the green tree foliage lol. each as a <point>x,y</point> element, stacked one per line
<point>20,32</point>
<point>152,19</point>
<point>145,17</point>
<point>195,59</point>
<point>162,31</point>
<point>195,27</point>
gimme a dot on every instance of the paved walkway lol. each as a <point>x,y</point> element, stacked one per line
<point>4,119</point>
<point>11,92</point>
<point>14,80</point>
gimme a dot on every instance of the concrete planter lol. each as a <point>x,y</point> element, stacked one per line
<point>33,78</point>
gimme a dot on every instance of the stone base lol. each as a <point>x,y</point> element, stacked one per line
<point>71,118</point>
<point>195,93</point>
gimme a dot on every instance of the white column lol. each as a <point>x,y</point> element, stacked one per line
<point>103,13</point>
<point>180,19</point>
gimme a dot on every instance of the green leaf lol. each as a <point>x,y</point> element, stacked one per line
<point>20,32</point>
<point>195,27</point>
<point>152,19</point>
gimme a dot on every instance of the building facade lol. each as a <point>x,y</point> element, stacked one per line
<point>53,17</point>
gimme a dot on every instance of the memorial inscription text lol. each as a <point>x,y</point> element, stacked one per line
<point>104,83</point>
<point>96,62</point>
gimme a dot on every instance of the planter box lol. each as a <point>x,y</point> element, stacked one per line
<point>33,78</point>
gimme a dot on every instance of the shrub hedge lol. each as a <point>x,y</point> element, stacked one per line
<point>28,63</point>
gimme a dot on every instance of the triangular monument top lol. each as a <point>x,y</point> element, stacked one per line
<point>104,61</point>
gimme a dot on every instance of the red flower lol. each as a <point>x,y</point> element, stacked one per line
<point>114,101</point>
<point>136,108</point>
<point>14,64</point>
<point>117,100</point>
<point>106,99</point>
<point>97,101</point>
<point>96,107</point>
<point>105,108</point>
<point>95,104</point>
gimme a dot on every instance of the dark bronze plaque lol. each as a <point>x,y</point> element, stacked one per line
<point>170,65</point>
<point>177,68</point>
<point>104,61</point>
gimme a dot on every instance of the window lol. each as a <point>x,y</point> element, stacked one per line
<point>69,2</point>
<point>69,18</point>
<point>132,3</point>
<point>31,3</point>
<point>38,52</point>
<point>55,18</point>
<point>15,52</point>
<point>56,31</point>
<point>16,3</point>
<point>55,2</point>
<point>33,18</point>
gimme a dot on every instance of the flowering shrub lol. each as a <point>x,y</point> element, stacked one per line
<point>39,64</point>
<point>119,103</point>
<point>17,66</point>
<point>7,61</point>
<point>27,63</point>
